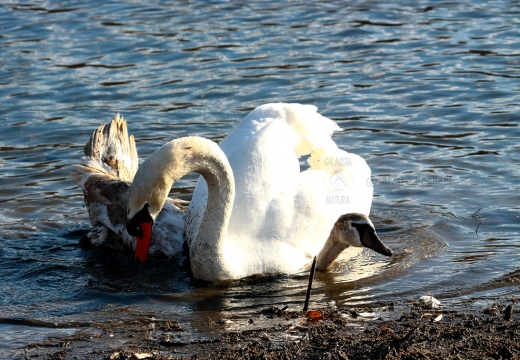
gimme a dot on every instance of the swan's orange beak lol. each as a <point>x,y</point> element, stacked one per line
<point>143,242</point>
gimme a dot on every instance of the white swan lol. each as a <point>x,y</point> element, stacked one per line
<point>105,175</point>
<point>255,211</point>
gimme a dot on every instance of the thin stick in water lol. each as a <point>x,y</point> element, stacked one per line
<point>309,288</point>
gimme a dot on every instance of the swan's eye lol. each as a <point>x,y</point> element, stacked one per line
<point>361,228</point>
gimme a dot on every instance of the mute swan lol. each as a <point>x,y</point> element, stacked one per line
<point>254,211</point>
<point>105,175</point>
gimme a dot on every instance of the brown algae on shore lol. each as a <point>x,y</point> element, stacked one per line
<point>393,331</point>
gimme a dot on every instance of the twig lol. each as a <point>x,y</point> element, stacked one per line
<point>476,216</point>
<point>476,230</point>
<point>309,287</point>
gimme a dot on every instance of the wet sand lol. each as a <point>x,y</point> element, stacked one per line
<point>405,330</point>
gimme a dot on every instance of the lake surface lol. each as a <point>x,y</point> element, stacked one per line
<point>428,92</point>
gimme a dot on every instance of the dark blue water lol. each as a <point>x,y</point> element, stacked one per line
<point>427,92</point>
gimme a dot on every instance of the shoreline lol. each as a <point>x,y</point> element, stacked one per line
<point>404,330</point>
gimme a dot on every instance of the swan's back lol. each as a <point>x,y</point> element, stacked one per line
<point>282,216</point>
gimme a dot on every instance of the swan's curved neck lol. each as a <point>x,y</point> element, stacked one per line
<point>155,177</point>
<point>206,252</point>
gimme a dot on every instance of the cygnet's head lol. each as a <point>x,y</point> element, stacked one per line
<point>357,230</point>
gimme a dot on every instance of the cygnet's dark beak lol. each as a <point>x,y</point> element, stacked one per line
<point>372,241</point>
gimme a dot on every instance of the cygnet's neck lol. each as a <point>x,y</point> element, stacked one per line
<point>331,250</point>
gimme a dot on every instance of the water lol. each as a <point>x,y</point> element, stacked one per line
<point>427,92</point>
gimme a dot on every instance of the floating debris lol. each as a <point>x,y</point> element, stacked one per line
<point>314,315</point>
<point>140,356</point>
<point>435,317</point>
<point>438,317</point>
<point>429,302</point>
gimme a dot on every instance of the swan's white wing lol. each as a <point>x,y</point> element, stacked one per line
<point>286,214</point>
